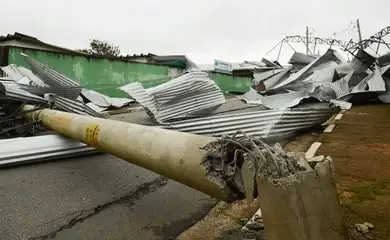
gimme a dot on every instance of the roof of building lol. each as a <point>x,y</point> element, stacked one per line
<point>179,61</point>
<point>32,40</point>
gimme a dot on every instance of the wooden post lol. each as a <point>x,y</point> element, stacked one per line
<point>303,206</point>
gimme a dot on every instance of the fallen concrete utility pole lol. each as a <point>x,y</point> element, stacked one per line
<point>299,203</point>
<point>176,155</point>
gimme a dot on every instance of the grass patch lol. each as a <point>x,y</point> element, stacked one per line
<point>366,192</point>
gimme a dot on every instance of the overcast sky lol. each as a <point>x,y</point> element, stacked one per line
<point>201,29</point>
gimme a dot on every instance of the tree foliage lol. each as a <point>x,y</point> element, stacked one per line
<point>102,48</point>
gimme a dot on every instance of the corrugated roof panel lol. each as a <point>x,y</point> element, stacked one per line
<point>95,97</point>
<point>17,151</point>
<point>53,78</point>
<point>266,124</point>
<point>19,73</point>
<point>14,93</point>
<point>284,100</point>
<point>73,106</point>
<point>179,98</point>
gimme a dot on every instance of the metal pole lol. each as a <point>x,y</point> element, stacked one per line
<point>359,32</point>
<point>307,40</point>
<point>173,154</point>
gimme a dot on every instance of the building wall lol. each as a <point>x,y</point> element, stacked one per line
<point>99,74</point>
<point>105,76</point>
<point>229,83</point>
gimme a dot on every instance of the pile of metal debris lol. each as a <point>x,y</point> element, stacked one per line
<point>327,78</point>
<point>194,103</point>
<point>43,87</point>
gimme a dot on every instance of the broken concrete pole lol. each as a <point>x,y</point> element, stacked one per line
<point>302,206</point>
<point>179,156</point>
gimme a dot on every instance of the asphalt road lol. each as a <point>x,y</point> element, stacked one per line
<point>96,197</point>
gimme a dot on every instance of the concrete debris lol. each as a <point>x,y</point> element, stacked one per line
<point>362,228</point>
<point>255,223</point>
<point>369,225</point>
<point>189,94</point>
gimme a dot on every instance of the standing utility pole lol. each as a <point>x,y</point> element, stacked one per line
<point>307,40</point>
<point>358,27</point>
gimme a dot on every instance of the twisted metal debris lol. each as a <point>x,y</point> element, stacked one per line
<point>191,93</point>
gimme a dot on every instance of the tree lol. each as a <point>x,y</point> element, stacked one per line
<point>102,48</point>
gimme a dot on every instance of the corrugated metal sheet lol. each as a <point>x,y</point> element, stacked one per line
<point>341,87</point>
<point>251,97</point>
<point>330,59</point>
<point>373,81</point>
<point>40,148</point>
<point>266,124</point>
<point>11,91</point>
<point>53,78</point>
<point>73,106</point>
<point>120,102</point>
<point>22,75</point>
<point>284,100</point>
<point>95,97</point>
<point>67,92</point>
<point>179,98</point>
<point>104,101</point>
<point>302,58</point>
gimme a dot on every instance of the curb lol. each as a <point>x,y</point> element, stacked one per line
<point>310,153</point>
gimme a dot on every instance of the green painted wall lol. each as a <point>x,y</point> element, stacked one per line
<point>229,83</point>
<point>105,76</point>
<point>102,75</point>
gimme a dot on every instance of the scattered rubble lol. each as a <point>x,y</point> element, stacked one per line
<point>364,228</point>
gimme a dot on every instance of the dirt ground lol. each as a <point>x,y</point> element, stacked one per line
<point>360,148</point>
<point>226,220</point>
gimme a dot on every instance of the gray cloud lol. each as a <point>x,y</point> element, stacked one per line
<point>204,30</point>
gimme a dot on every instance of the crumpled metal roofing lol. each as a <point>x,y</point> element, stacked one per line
<point>22,75</point>
<point>284,100</point>
<point>341,87</point>
<point>190,93</point>
<point>330,59</point>
<point>104,101</point>
<point>53,78</point>
<point>251,97</point>
<point>73,106</point>
<point>11,91</point>
<point>29,82</point>
<point>95,97</point>
<point>302,58</point>
<point>17,151</point>
<point>268,124</point>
